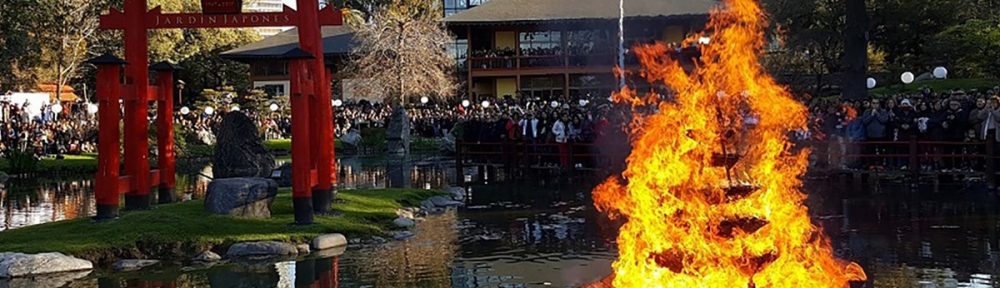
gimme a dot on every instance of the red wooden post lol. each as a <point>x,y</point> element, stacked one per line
<point>165,130</point>
<point>309,81</point>
<point>108,94</point>
<point>311,41</point>
<point>137,106</point>
<point>302,88</point>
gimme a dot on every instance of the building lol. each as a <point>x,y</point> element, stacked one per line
<point>271,75</point>
<point>268,6</point>
<point>516,48</point>
<point>452,7</point>
<point>559,48</point>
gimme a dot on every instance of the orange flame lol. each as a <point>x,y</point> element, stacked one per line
<point>712,189</point>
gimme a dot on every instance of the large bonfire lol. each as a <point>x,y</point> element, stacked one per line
<point>712,193</point>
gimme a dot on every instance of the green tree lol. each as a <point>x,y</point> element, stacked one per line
<point>64,31</point>
<point>20,53</point>
<point>971,49</point>
<point>811,33</point>
<point>197,50</point>
<point>358,12</point>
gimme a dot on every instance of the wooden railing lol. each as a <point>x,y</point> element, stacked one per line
<point>912,155</point>
<point>520,155</point>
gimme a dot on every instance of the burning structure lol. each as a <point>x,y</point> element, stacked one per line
<point>711,195</point>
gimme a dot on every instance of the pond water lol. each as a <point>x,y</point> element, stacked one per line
<point>545,233</point>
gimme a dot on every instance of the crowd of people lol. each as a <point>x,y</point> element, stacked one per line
<point>850,131</point>
<point>929,117</point>
<point>44,131</point>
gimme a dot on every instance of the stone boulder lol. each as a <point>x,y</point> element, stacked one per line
<point>397,132</point>
<point>444,202</point>
<point>351,141</point>
<point>207,256</point>
<point>133,264</point>
<point>239,151</point>
<point>303,249</point>
<point>457,193</point>
<point>241,197</point>
<point>284,175</point>
<point>403,222</point>
<point>262,249</point>
<point>327,241</point>
<point>19,265</point>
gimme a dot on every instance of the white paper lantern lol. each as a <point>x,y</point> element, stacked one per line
<point>466,103</point>
<point>185,110</point>
<point>583,102</point>
<point>907,77</point>
<point>872,83</point>
<point>56,108</point>
<point>210,110</point>
<point>92,108</point>
<point>273,107</point>
<point>486,104</point>
<point>554,104</point>
<point>424,100</point>
<point>940,73</point>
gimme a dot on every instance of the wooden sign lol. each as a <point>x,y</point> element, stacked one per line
<point>156,19</point>
<point>221,6</point>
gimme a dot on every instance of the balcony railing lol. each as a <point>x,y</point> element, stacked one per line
<point>559,61</point>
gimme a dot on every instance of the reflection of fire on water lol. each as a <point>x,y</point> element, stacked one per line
<point>711,193</point>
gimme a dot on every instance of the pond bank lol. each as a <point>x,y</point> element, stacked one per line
<point>183,230</point>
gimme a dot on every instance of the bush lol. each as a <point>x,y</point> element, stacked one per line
<point>20,162</point>
<point>373,139</point>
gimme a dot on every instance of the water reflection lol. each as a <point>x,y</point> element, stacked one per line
<point>25,202</point>
<point>424,260</point>
<point>544,232</point>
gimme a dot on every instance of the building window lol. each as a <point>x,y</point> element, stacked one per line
<point>273,90</point>
<point>459,50</point>
<point>456,6</point>
<point>541,43</point>
<point>269,69</point>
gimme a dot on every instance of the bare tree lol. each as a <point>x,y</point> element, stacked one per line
<point>402,54</point>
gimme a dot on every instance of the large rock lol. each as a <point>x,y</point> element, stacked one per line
<point>133,264</point>
<point>239,151</point>
<point>327,241</point>
<point>20,265</point>
<point>397,133</point>
<point>263,248</point>
<point>241,197</point>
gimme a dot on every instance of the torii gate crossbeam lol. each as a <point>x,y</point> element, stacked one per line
<point>312,139</point>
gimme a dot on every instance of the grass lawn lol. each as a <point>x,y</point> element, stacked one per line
<point>176,230</point>
<point>286,144</point>
<point>71,163</point>
<point>938,86</point>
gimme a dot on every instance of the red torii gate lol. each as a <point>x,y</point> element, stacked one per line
<point>312,137</point>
